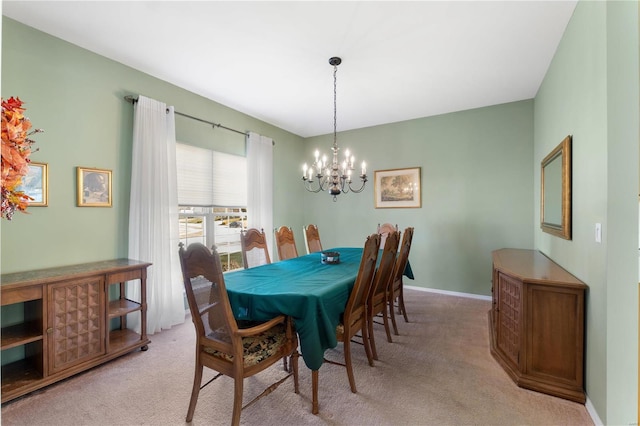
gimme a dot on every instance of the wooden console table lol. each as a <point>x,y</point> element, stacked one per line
<point>537,323</point>
<point>65,327</point>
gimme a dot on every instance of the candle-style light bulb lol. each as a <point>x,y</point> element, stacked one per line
<point>304,169</point>
<point>317,154</point>
<point>364,168</point>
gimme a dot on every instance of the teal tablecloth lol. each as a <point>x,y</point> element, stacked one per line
<point>312,293</point>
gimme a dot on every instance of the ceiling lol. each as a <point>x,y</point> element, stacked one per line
<point>400,60</point>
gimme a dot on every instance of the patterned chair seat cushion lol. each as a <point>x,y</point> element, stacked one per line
<point>256,348</point>
<point>339,330</point>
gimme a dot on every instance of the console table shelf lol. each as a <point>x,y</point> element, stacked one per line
<point>18,376</point>
<point>20,334</point>
<point>58,305</point>
<point>120,307</point>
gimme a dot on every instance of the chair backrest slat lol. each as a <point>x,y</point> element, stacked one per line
<point>254,246</point>
<point>312,239</point>
<point>285,242</point>
<point>355,308</point>
<point>403,256</point>
<point>207,296</point>
<point>384,273</point>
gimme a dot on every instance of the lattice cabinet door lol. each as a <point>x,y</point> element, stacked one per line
<point>76,322</point>
<point>509,318</point>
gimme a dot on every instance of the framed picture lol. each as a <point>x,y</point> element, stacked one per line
<point>397,188</point>
<point>36,184</point>
<point>94,187</point>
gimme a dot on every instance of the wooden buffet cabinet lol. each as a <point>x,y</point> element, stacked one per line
<point>66,325</point>
<point>537,323</point>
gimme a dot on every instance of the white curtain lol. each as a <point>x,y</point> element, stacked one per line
<point>153,214</point>
<point>260,185</point>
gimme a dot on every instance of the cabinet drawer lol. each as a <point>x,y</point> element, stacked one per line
<point>121,277</point>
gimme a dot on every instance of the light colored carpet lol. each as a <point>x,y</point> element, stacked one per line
<point>437,372</point>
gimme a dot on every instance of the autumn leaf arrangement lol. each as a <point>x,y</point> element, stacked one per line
<point>16,148</point>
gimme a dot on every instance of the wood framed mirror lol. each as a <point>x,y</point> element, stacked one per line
<point>555,191</point>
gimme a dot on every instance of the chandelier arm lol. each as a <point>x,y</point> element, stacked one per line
<point>326,182</point>
<point>323,181</point>
<point>315,191</point>
<point>308,186</point>
<point>357,191</point>
<point>346,185</point>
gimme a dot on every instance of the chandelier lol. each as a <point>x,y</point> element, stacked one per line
<point>333,176</point>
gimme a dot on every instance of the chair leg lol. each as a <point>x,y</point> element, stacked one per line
<point>237,399</point>
<point>294,366</point>
<point>385,319</point>
<point>372,340</point>
<point>314,392</point>
<point>195,391</point>
<point>401,305</point>
<point>347,362</point>
<point>392,314</point>
<point>366,343</point>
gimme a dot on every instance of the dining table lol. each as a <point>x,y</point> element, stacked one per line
<point>314,294</point>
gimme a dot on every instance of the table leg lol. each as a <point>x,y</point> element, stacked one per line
<point>314,391</point>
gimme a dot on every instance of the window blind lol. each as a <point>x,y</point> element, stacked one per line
<point>210,178</point>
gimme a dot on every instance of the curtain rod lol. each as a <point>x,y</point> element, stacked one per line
<point>133,100</point>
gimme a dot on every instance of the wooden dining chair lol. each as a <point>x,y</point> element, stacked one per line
<point>255,251</point>
<point>220,344</point>
<point>384,230</point>
<point>354,318</point>
<point>377,297</point>
<point>285,243</point>
<point>395,296</point>
<point>312,239</point>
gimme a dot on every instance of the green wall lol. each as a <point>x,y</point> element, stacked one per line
<point>77,97</point>
<point>477,191</point>
<point>591,91</point>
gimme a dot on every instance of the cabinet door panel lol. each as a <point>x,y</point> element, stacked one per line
<point>76,325</point>
<point>509,317</point>
<point>556,331</point>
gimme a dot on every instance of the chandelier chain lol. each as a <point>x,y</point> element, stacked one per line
<point>335,108</point>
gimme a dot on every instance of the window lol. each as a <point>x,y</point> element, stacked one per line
<point>212,198</point>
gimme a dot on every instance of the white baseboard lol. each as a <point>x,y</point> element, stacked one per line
<point>450,293</point>
<point>593,413</point>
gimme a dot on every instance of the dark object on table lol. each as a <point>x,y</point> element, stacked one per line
<point>330,257</point>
